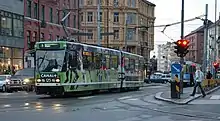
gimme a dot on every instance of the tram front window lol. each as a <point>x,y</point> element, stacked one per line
<point>49,61</point>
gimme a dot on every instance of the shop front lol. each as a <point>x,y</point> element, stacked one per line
<point>11,59</point>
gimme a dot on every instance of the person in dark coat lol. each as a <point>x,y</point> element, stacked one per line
<point>209,75</point>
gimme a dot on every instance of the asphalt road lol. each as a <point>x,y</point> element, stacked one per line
<point>127,106</point>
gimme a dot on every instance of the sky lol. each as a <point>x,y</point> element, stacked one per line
<point>169,11</point>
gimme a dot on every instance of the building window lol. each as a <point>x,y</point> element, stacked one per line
<point>116,34</point>
<point>116,2</point>
<point>89,2</point>
<point>81,17</point>
<point>6,26</point>
<point>42,36</point>
<point>50,37</point>
<point>90,17</point>
<point>68,20</point>
<point>57,16</point>
<point>131,18</point>
<point>130,34</point>
<point>58,37</point>
<point>101,31</point>
<point>29,39</point>
<point>133,3</point>
<point>65,21</point>
<point>74,21</point>
<point>100,16</point>
<point>90,31</point>
<point>116,17</point>
<point>51,15</point>
<point>42,12</point>
<point>28,8</point>
<point>101,2</point>
<point>18,27</point>
<point>81,3</point>
<point>35,10</point>
<point>35,36</point>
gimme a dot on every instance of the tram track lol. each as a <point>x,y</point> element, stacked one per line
<point>66,102</point>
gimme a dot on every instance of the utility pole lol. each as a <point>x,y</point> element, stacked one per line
<point>98,23</point>
<point>126,34</point>
<point>108,22</point>
<point>78,17</point>
<point>38,14</point>
<point>182,37</point>
<point>205,39</point>
<point>215,38</point>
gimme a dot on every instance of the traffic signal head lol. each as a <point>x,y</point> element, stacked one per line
<point>216,65</point>
<point>181,47</point>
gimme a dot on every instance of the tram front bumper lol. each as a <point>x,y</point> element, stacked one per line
<point>49,89</point>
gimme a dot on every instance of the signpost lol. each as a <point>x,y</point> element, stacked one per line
<point>175,74</point>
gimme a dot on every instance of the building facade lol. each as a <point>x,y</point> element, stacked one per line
<point>196,39</point>
<point>166,56</point>
<point>42,21</point>
<point>11,35</point>
<point>211,39</point>
<point>121,17</point>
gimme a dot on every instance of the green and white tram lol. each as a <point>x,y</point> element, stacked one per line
<point>64,67</point>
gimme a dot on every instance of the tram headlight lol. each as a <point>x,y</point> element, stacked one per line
<point>38,80</point>
<point>57,80</point>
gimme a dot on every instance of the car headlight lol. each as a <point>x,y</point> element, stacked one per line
<point>38,80</point>
<point>26,80</point>
<point>58,80</point>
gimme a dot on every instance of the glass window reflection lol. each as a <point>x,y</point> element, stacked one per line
<point>6,26</point>
<point>17,53</point>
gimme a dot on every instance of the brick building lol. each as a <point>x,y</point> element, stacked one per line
<point>50,13</point>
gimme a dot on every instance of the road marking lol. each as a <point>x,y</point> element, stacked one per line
<point>133,99</point>
<point>6,106</point>
<point>87,97</point>
<point>205,102</point>
<point>126,97</point>
<point>6,94</point>
<point>215,97</point>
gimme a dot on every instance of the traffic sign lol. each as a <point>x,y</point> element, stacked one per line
<point>176,68</point>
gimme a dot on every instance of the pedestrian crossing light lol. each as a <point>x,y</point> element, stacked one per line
<point>181,47</point>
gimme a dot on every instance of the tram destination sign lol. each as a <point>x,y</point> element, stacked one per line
<point>50,46</point>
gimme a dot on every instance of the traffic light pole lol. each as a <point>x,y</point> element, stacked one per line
<point>182,37</point>
<point>205,39</point>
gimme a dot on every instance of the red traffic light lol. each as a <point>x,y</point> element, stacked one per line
<point>216,65</point>
<point>182,42</point>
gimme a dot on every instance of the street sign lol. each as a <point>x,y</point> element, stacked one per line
<point>176,68</point>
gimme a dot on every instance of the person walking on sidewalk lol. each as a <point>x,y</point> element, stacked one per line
<point>199,76</point>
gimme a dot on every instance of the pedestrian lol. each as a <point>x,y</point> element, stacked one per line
<point>199,76</point>
<point>209,75</point>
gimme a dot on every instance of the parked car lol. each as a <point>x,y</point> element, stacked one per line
<point>24,79</point>
<point>4,81</point>
<point>158,78</point>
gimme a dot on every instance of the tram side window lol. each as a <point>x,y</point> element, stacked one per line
<point>114,62</point>
<point>97,60</point>
<point>73,61</point>
<point>137,65</point>
<point>87,59</point>
<point>126,64</point>
<point>132,64</point>
<point>107,61</point>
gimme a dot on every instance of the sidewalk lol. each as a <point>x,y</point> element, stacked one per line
<point>185,98</point>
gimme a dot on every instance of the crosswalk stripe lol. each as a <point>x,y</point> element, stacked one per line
<point>84,98</point>
<point>215,97</point>
<point>126,97</point>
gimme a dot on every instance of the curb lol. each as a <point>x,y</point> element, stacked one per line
<point>185,101</point>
